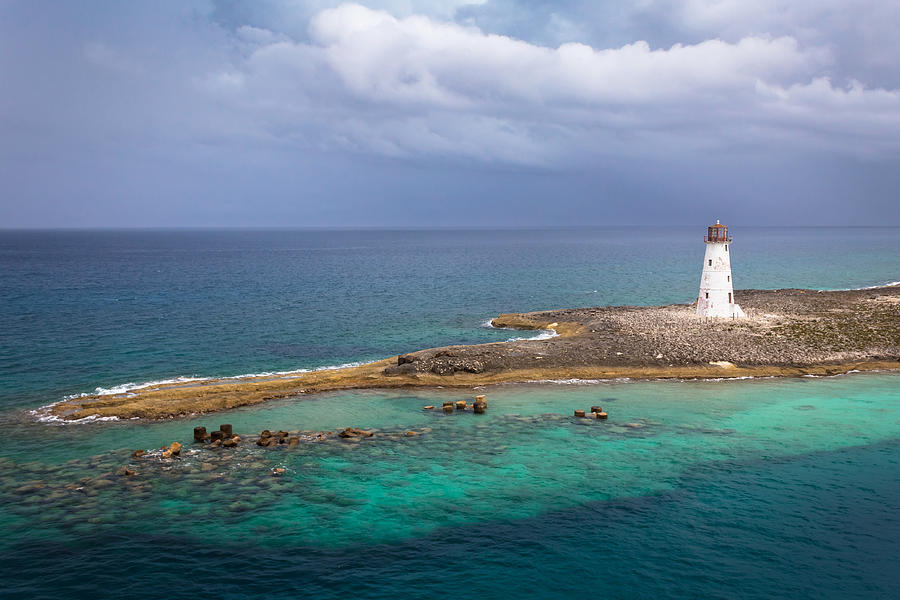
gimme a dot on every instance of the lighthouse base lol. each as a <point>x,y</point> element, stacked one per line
<point>719,311</point>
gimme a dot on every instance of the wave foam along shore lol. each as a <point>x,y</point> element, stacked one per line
<point>46,413</point>
<point>552,333</point>
<point>786,333</point>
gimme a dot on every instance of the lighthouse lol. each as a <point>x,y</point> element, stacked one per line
<point>716,297</point>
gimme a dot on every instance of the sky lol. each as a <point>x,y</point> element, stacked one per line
<point>448,113</point>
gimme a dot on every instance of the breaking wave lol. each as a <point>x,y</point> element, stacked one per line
<point>872,287</point>
<point>575,381</point>
<point>546,335</point>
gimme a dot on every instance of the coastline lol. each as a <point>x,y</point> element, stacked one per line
<point>787,333</point>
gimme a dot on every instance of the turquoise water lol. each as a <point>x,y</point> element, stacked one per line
<point>749,488</point>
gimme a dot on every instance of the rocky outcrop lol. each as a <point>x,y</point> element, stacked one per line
<point>441,362</point>
<point>405,359</point>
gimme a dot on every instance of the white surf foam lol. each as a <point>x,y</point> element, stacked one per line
<point>124,388</point>
<point>871,287</point>
<point>544,335</point>
<point>736,378</point>
<point>44,415</point>
<point>812,376</point>
<point>288,373</point>
<point>890,284</point>
<point>576,381</point>
<point>571,381</point>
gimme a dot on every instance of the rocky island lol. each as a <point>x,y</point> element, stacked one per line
<point>786,332</point>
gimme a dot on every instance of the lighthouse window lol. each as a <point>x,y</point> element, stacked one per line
<point>729,278</point>
<point>729,298</point>
<point>707,294</point>
<point>710,262</point>
<point>726,247</point>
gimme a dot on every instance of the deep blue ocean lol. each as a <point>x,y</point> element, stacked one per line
<point>720,489</point>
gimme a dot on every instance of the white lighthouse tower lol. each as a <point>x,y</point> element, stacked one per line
<point>716,297</point>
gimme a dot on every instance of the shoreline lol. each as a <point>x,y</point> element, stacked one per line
<point>100,411</point>
<point>787,333</point>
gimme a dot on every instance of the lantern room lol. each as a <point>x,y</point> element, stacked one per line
<point>717,234</point>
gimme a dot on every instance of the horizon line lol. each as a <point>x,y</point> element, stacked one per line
<point>187,228</point>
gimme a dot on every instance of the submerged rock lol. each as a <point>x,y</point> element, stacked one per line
<point>353,432</point>
<point>239,507</point>
<point>30,487</point>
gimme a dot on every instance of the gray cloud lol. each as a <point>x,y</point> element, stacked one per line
<point>417,85</point>
<point>321,113</point>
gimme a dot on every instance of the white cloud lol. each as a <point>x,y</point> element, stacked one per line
<point>388,59</point>
<point>417,86</point>
<point>860,35</point>
<point>373,82</point>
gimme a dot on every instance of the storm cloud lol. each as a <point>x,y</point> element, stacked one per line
<point>448,113</point>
